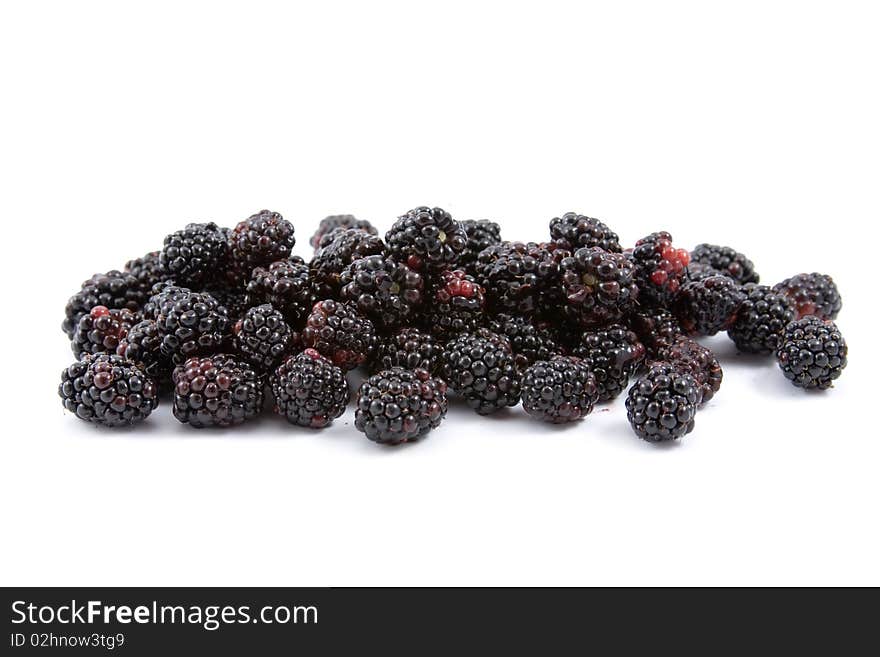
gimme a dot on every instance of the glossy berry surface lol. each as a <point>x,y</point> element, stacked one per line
<point>813,353</point>
<point>216,391</point>
<point>396,406</point>
<point>339,333</point>
<point>761,320</point>
<point>259,240</point>
<point>426,239</point>
<point>575,231</point>
<point>335,222</point>
<point>388,292</point>
<point>410,349</point>
<point>482,369</point>
<point>598,287</point>
<point>708,306</point>
<point>812,294</point>
<point>262,337</point>
<point>660,268</point>
<point>192,324</point>
<point>286,284</point>
<point>308,390</point>
<point>114,289</point>
<point>102,330</point>
<point>559,390</point>
<point>195,255</point>
<point>612,354</point>
<point>725,260</point>
<point>457,304</point>
<point>662,405</point>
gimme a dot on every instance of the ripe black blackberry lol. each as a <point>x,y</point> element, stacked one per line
<point>259,240</point>
<point>192,324</point>
<point>397,406</point>
<point>813,353</point>
<point>760,320</point>
<point>234,299</point>
<point>309,390</point>
<point>482,369</point>
<point>662,405</point>
<point>262,337</point>
<point>163,294</point>
<point>727,261</point>
<point>812,294</point>
<point>142,346</point>
<point>196,255</point>
<point>598,287</point>
<point>148,270</point>
<point>216,391</point>
<point>337,251</point>
<point>559,390</point>
<point>386,291</point>
<point>688,355</point>
<point>457,305</point>
<point>428,240</point>
<point>114,289</point>
<point>530,340</point>
<point>481,234</point>
<point>697,271</point>
<point>410,349</point>
<point>339,333</point>
<point>574,231</point>
<point>336,222</point>
<point>657,328</point>
<point>101,330</point>
<point>286,284</point>
<point>108,390</point>
<point>659,268</point>
<point>518,277</point>
<point>612,354</point>
<point>708,306</point>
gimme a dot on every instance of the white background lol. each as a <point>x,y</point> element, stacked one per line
<point>753,124</point>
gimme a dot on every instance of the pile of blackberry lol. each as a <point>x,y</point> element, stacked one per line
<point>437,310</point>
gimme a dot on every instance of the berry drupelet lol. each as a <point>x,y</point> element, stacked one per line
<point>337,251</point>
<point>386,291</point>
<point>688,355</point>
<point>101,331</point>
<point>397,406</point>
<point>108,390</point>
<point>727,261</point>
<point>191,325</point>
<point>482,369</point>
<point>662,405</point>
<point>338,332</point>
<point>598,287</point>
<point>760,320</point>
<point>258,241</point>
<point>196,255</point>
<point>410,349</point>
<point>813,353</point>
<point>216,391</point>
<point>336,222</point>
<point>530,340</point>
<point>142,346</point>
<point>426,239</point>
<point>309,390</point>
<point>612,354</point>
<point>708,306</point>
<point>659,268</point>
<point>114,289</point>
<point>812,294</point>
<point>262,337</point>
<point>575,231</point>
<point>559,390</point>
<point>286,284</point>
<point>481,234</point>
<point>457,305</point>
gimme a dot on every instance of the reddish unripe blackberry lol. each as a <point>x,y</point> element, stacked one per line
<point>410,349</point>
<point>659,268</point>
<point>338,332</point>
<point>612,354</point>
<point>386,291</point>
<point>657,328</point>
<point>192,325</point>
<point>598,287</point>
<point>262,337</point>
<point>482,369</point>
<point>101,330</point>
<point>397,406</point>
<point>574,231</point>
<point>518,277</point>
<point>812,294</point>
<point>662,404</point>
<point>108,390</point>
<point>688,355</point>
<point>142,346</point>
<point>216,391</point>
<point>530,340</point>
<point>428,240</point>
<point>148,270</point>
<point>708,306</point>
<point>337,251</point>
<point>727,261</point>
<point>259,240</point>
<point>457,304</point>
<point>196,255</point>
<point>813,353</point>
<point>760,320</point>
<point>115,289</point>
<point>286,284</point>
<point>559,390</point>
<point>309,390</point>
<point>336,222</point>
<point>481,234</point>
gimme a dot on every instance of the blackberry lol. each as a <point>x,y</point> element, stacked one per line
<point>192,325</point>
<point>530,341</point>
<point>659,268</point>
<point>259,240</point>
<point>598,287</point>
<point>195,255</point>
<point>336,222</point>
<point>216,391</point>
<point>286,285</point>
<point>386,291</point>
<point>481,234</point>
<point>262,337</point>
<point>813,353</point>
<point>688,355</point>
<point>812,294</point>
<point>708,306</point>
<point>397,406</point>
<point>108,390</point>
<point>574,231</point>
<point>410,349</point>
<point>697,271</point>
<point>148,270</point>
<point>163,294</point>
<point>760,320</point>
<point>101,330</point>
<point>142,346</point>
<point>662,405</point>
<point>559,390</point>
<point>727,261</point>
<point>309,390</point>
<point>427,240</point>
<point>457,305</point>
<point>520,277</point>
<point>337,251</point>
<point>234,299</point>
<point>482,369</point>
<point>612,354</point>
<point>336,331</point>
<point>657,328</point>
<point>114,289</point>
